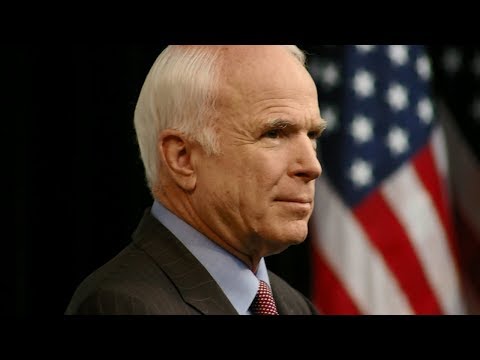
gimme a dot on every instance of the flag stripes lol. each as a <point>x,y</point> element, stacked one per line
<point>357,269</point>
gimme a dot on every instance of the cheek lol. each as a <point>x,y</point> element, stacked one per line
<point>251,179</point>
<point>269,173</point>
<point>222,180</point>
<point>257,189</point>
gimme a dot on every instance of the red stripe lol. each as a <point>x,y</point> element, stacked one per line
<point>328,294</point>
<point>424,165</point>
<point>391,240</point>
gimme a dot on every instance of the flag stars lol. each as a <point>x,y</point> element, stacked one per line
<point>364,49</point>
<point>361,129</point>
<point>361,173</point>
<point>327,75</point>
<point>452,60</point>
<point>397,141</point>
<point>423,67</point>
<point>425,111</point>
<point>397,97</point>
<point>330,75</point>
<point>363,83</point>
<point>398,54</point>
<point>330,114</point>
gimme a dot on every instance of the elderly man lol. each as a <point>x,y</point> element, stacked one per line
<point>227,135</point>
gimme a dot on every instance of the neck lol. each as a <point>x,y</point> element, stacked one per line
<point>220,233</point>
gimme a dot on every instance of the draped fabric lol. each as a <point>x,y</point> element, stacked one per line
<point>382,235</point>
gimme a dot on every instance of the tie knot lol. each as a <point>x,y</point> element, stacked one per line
<point>263,304</point>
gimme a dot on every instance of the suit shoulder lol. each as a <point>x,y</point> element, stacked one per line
<point>289,299</point>
<point>130,283</point>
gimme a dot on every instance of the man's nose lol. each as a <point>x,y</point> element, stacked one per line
<point>306,164</point>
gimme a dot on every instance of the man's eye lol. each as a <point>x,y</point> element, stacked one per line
<point>272,134</point>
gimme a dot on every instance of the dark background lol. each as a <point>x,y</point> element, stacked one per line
<point>77,180</point>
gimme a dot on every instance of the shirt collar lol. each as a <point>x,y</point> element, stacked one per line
<point>237,281</point>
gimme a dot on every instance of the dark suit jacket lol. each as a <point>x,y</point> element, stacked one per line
<point>156,274</point>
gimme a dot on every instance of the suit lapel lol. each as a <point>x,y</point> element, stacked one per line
<point>284,303</point>
<point>282,307</point>
<point>192,280</point>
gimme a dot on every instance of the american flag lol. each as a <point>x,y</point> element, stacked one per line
<point>381,232</point>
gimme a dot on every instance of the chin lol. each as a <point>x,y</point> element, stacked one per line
<point>297,239</point>
<point>279,235</point>
<point>293,233</point>
<point>278,245</point>
<point>297,229</point>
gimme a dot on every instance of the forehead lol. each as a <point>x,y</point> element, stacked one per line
<point>268,80</point>
<point>262,68</point>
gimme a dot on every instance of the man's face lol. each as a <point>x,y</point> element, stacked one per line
<point>257,195</point>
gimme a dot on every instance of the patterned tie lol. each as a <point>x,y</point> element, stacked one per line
<point>263,304</point>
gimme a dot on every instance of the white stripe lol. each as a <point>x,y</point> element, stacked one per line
<point>351,256</point>
<point>415,210</point>
<point>439,150</point>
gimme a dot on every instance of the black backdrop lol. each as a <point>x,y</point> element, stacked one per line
<point>77,181</point>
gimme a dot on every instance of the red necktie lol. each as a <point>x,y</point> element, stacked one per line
<point>263,304</point>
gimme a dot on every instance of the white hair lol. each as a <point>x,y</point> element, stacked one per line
<point>179,93</point>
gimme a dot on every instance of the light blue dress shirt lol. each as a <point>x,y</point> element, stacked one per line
<point>237,281</point>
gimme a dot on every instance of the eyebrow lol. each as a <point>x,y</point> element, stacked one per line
<point>286,124</point>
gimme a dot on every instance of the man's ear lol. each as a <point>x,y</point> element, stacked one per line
<point>176,149</point>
